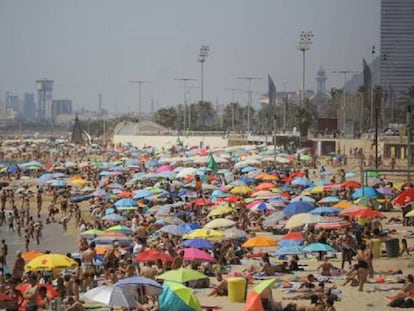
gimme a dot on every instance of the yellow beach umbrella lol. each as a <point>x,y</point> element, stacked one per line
<point>220,210</point>
<point>219,223</point>
<point>48,262</point>
<point>260,242</point>
<point>317,189</point>
<point>343,204</point>
<point>241,190</point>
<point>302,219</point>
<point>206,234</point>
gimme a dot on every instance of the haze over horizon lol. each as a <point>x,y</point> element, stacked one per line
<point>96,46</point>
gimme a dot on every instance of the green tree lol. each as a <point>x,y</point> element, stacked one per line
<point>228,116</point>
<point>304,119</point>
<point>166,117</point>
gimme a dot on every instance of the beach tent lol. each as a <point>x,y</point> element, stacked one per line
<point>259,294</point>
<point>177,297</point>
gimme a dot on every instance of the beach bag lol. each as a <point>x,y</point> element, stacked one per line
<point>398,302</point>
<point>408,303</point>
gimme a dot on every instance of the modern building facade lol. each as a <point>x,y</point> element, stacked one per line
<point>397,46</point>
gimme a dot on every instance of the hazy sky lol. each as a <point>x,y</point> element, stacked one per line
<point>95,46</point>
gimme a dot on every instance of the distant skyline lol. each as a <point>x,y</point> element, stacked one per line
<point>96,46</point>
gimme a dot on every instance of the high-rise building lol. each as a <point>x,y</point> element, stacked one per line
<point>44,91</point>
<point>29,106</point>
<point>60,106</point>
<point>397,46</point>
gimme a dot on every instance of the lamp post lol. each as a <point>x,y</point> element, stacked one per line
<point>201,59</point>
<point>371,91</point>
<point>304,44</point>
<point>140,83</point>
<point>345,73</point>
<point>185,99</point>
<point>250,98</point>
<point>233,103</point>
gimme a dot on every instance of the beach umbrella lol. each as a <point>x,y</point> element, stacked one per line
<point>185,172</point>
<point>172,220</point>
<point>197,254</point>
<point>44,178</point>
<point>125,194</point>
<point>366,192</point>
<point>220,210</point>
<point>332,224</point>
<point>153,255</point>
<point>366,213</point>
<point>260,205</point>
<point>293,236</point>
<point>325,210</point>
<point>198,243</point>
<point>303,198</point>
<point>48,262</point>
<point>219,223</point>
<point>298,207</point>
<point>264,186</point>
<point>404,197</point>
<point>58,183</point>
<point>120,229</point>
<point>234,234</point>
<point>342,204</point>
<point>351,184</point>
<point>329,199</point>
<point>206,234</point>
<point>113,217</point>
<point>267,177</point>
<point>27,256</point>
<point>302,219</point>
<point>317,189</point>
<point>301,181</point>
<point>111,296</point>
<point>289,250</point>
<point>133,284</point>
<point>387,191</point>
<point>352,209</point>
<point>274,219</point>
<point>177,297</point>
<point>164,168</point>
<point>410,214</point>
<point>182,275</point>
<point>260,242</point>
<point>241,190</point>
<point>175,230</point>
<point>143,193</point>
<point>92,233</point>
<point>318,247</point>
<point>254,299</point>
<point>125,204</point>
<point>112,236</point>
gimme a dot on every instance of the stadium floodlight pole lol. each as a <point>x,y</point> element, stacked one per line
<point>304,44</point>
<point>201,59</point>
<point>250,98</point>
<point>140,83</point>
<point>345,73</point>
<point>185,80</point>
<point>233,92</point>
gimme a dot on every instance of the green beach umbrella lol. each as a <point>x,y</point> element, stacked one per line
<point>182,275</point>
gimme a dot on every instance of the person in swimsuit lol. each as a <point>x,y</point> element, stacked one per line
<point>362,266</point>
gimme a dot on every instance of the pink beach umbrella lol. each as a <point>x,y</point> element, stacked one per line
<point>197,254</point>
<point>164,168</point>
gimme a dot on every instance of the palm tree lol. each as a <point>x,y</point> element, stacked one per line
<point>304,119</point>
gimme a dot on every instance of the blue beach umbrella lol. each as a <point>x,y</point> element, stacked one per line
<point>174,230</point>
<point>198,243</point>
<point>366,192</point>
<point>289,250</point>
<point>140,194</point>
<point>301,181</point>
<point>126,202</point>
<point>329,199</point>
<point>318,247</point>
<point>44,178</point>
<point>325,210</point>
<point>58,183</point>
<point>294,208</point>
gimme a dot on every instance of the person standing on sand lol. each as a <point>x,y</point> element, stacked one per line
<point>18,267</point>
<point>362,266</point>
<point>39,200</point>
<point>88,266</point>
<point>30,296</point>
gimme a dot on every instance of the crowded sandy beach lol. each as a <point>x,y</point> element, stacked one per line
<point>199,228</point>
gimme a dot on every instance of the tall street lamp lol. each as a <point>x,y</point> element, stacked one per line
<point>140,83</point>
<point>185,80</point>
<point>233,104</point>
<point>202,58</point>
<point>250,98</point>
<point>304,44</point>
<point>345,73</point>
